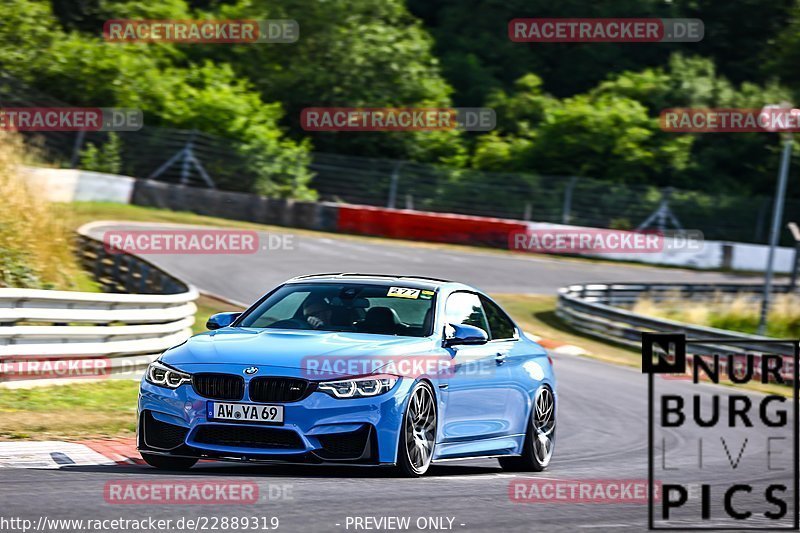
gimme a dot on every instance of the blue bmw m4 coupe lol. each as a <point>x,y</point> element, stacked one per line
<point>354,369</point>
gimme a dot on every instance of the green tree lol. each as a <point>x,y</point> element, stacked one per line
<point>350,53</point>
<point>477,55</point>
<point>604,135</point>
<point>612,132</point>
<point>172,88</point>
<point>103,158</point>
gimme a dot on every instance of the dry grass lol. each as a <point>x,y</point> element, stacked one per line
<point>537,314</point>
<point>35,239</point>
<point>725,311</point>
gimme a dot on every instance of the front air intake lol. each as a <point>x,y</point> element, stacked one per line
<point>346,446</point>
<point>272,389</point>
<point>160,435</point>
<point>247,437</point>
<point>218,386</point>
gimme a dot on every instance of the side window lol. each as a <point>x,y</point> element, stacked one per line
<point>465,308</point>
<point>500,325</point>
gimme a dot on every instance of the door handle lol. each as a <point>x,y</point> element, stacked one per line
<point>500,358</point>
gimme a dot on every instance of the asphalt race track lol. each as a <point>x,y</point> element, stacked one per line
<point>602,432</point>
<point>245,277</point>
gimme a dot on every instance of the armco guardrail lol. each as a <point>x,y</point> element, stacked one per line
<point>121,272</point>
<point>124,331</point>
<point>592,309</point>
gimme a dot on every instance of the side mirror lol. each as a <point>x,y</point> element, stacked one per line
<point>221,320</point>
<point>463,334</point>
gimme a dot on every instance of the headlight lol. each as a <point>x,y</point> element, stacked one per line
<point>164,376</point>
<point>359,387</point>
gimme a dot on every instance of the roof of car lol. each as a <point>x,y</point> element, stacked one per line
<point>423,281</point>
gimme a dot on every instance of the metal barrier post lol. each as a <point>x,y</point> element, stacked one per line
<point>392,201</point>
<point>796,263</point>
<point>777,214</point>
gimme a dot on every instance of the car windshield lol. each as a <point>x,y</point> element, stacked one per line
<point>363,308</point>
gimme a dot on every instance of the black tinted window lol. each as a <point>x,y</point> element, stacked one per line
<point>500,325</point>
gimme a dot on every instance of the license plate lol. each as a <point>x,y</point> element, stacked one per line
<point>243,412</point>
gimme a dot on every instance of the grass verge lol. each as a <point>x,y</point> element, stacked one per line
<point>69,412</point>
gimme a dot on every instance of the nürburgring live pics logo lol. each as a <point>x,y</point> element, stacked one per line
<point>726,458</point>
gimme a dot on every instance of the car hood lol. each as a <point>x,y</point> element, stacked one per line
<point>290,348</point>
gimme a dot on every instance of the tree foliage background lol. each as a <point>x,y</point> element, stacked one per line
<point>563,109</point>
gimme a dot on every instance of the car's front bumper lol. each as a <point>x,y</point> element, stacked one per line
<point>316,429</point>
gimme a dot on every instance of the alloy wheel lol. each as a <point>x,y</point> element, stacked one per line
<point>544,425</point>
<point>420,429</point>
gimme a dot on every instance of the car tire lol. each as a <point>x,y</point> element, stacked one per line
<point>166,462</point>
<point>539,438</point>
<point>417,432</point>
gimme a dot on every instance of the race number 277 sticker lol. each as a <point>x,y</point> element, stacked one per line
<point>403,292</point>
